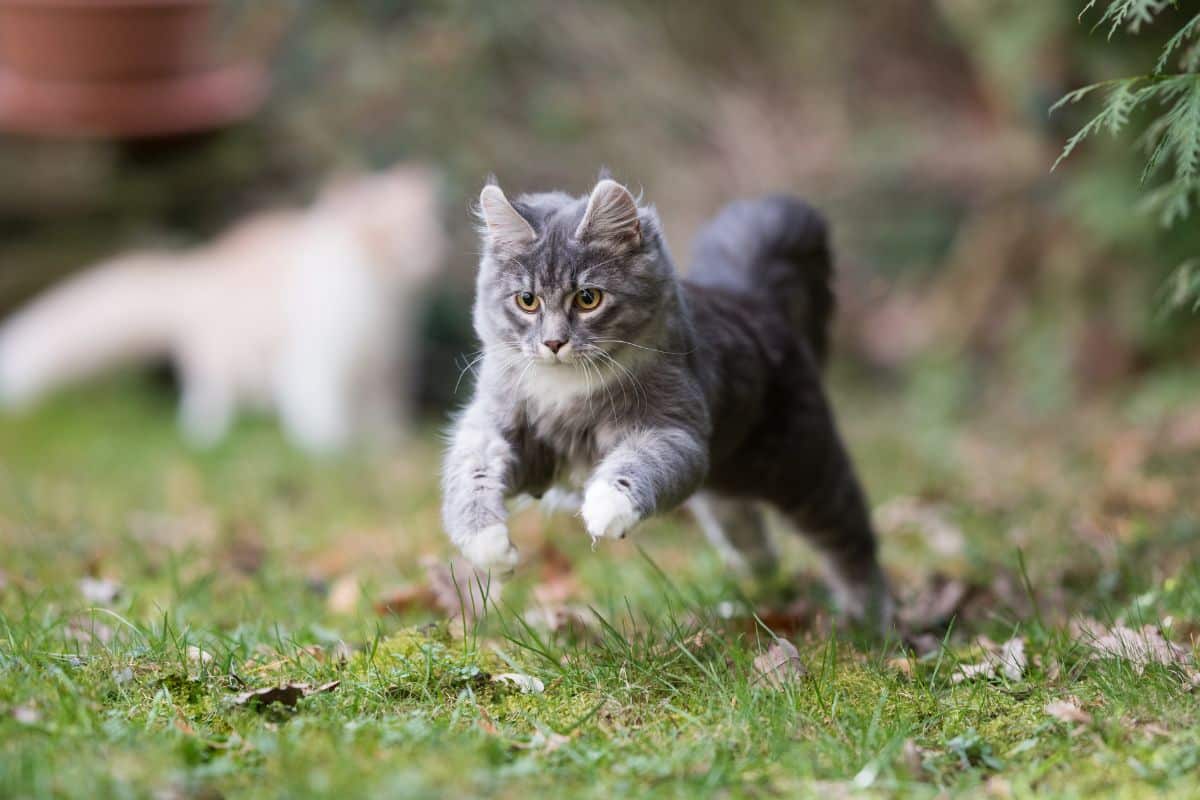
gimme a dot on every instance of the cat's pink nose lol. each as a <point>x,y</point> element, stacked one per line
<point>554,344</point>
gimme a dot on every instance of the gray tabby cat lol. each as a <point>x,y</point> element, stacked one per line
<point>602,369</point>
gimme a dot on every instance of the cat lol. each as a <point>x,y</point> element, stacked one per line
<point>309,313</point>
<point>603,370</point>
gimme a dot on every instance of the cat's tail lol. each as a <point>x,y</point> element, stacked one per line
<point>117,313</point>
<point>777,247</point>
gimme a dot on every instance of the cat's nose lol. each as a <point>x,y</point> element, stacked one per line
<point>554,344</point>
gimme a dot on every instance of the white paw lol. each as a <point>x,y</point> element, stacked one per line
<point>607,511</point>
<point>490,549</point>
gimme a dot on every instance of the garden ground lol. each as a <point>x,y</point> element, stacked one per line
<point>149,595</point>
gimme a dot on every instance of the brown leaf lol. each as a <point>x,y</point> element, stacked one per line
<point>528,684</point>
<point>797,616</point>
<point>99,591</point>
<point>198,656</point>
<point>780,665</point>
<point>578,620</point>
<point>88,631</point>
<point>1139,647</point>
<point>459,590</point>
<point>1007,659</point>
<point>1068,710</point>
<point>930,520</point>
<point>403,599</point>
<point>935,605</point>
<point>344,595</point>
<point>27,714</point>
<point>245,550</point>
<point>287,694</point>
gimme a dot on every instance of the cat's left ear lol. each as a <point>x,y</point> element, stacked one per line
<point>505,226</point>
<point>611,217</point>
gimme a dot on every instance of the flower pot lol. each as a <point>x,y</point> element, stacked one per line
<point>122,68</point>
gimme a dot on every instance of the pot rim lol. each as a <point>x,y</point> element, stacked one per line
<point>99,5</point>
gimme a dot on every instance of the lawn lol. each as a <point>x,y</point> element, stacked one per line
<point>148,594</point>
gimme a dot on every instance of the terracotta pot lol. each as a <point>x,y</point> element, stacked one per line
<point>118,68</point>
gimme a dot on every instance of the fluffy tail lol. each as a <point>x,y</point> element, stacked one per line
<point>777,247</point>
<point>120,312</point>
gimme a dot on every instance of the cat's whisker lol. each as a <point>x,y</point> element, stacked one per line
<point>644,347</point>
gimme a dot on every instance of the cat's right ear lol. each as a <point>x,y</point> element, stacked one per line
<point>503,225</point>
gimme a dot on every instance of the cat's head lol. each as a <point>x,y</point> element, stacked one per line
<point>569,279</point>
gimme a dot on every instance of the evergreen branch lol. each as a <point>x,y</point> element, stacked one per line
<point>1190,29</point>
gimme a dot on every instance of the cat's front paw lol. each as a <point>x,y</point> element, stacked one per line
<point>607,511</point>
<point>491,550</point>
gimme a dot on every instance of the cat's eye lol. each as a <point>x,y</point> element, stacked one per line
<point>588,299</point>
<point>528,302</point>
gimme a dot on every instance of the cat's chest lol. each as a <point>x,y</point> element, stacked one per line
<point>567,413</point>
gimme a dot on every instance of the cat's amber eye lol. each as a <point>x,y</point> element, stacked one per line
<point>588,299</point>
<point>528,302</point>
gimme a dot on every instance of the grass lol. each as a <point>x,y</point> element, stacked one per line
<point>227,564</point>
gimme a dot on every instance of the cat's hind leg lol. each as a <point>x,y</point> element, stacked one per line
<point>818,494</point>
<point>738,531</point>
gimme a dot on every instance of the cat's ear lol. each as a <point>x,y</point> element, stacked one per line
<point>611,217</point>
<point>504,225</point>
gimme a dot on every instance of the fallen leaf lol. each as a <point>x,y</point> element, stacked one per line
<point>935,605</point>
<point>399,600</point>
<point>27,714</point>
<point>245,550</point>
<point>929,520</point>
<point>545,741</point>
<point>528,684</point>
<point>99,591</point>
<point>88,631</point>
<point>460,591</point>
<point>341,652</point>
<point>575,619</point>
<point>198,656</point>
<point>914,757</point>
<point>780,665</point>
<point>797,616</point>
<point>344,595</point>
<point>557,580</point>
<point>1008,659</point>
<point>287,694</point>
<point>1068,710</point>
<point>1139,647</point>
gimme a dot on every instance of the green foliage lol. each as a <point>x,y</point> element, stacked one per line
<point>1169,102</point>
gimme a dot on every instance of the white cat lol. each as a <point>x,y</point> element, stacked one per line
<point>308,313</point>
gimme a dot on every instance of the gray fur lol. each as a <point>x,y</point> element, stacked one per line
<point>668,388</point>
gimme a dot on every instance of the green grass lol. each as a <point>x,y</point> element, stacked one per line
<point>235,551</point>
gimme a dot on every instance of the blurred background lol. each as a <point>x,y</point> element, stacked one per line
<point>1000,324</point>
<point>921,127</point>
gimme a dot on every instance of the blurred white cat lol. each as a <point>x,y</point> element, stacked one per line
<point>308,313</point>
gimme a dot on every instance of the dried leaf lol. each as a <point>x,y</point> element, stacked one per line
<point>87,631</point>
<point>245,550</point>
<point>528,684</point>
<point>930,520</point>
<point>400,600</point>
<point>1068,710</point>
<point>1008,660</point>
<point>797,616</point>
<point>344,595</point>
<point>578,620</point>
<point>287,694</point>
<point>935,605</point>
<point>780,665</point>
<point>99,591</point>
<point>27,714</point>
<point>198,656</point>
<point>459,590</point>
<point>1140,647</point>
